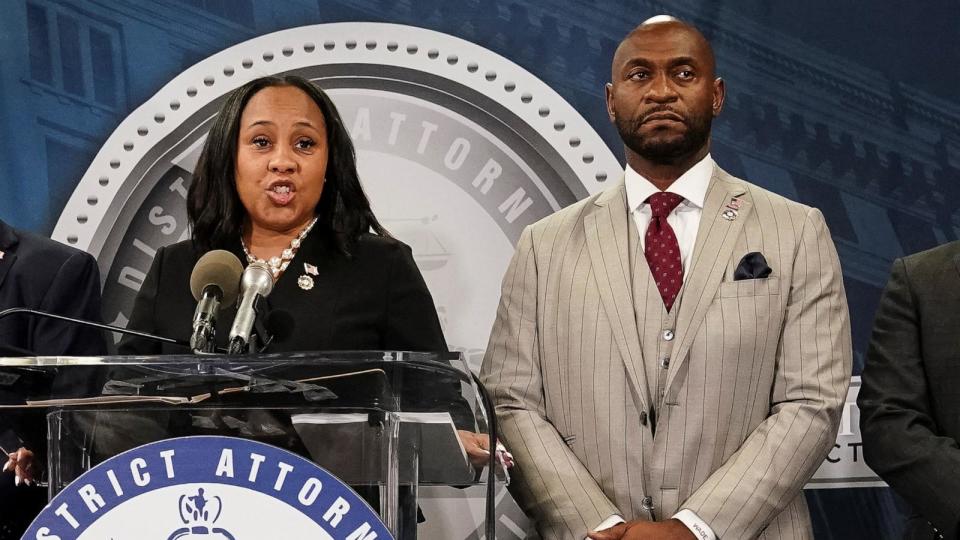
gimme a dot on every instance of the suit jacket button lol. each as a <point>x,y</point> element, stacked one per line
<point>643,418</point>
<point>647,503</point>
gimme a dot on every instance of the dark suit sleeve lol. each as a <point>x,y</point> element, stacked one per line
<point>901,441</point>
<point>412,325</point>
<point>143,317</point>
<point>411,318</point>
<point>74,292</point>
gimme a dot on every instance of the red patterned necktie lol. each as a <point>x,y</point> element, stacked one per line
<point>662,249</point>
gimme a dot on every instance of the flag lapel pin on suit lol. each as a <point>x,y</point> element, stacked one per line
<point>731,211</point>
<point>305,281</point>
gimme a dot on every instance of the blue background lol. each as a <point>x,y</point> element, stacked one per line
<point>851,108</point>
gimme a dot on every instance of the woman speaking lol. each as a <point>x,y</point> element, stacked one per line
<point>277,182</point>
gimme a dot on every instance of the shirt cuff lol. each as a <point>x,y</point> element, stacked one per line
<point>607,523</point>
<point>697,526</point>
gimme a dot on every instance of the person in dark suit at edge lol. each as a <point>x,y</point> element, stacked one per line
<point>910,395</point>
<point>42,274</point>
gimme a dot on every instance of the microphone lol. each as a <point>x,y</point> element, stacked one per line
<point>256,283</point>
<point>214,283</point>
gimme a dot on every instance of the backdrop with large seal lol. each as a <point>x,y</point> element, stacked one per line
<point>838,107</point>
<point>458,148</point>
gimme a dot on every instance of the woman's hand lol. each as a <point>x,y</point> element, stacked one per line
<point>21,463</point>
<point>477,446</point>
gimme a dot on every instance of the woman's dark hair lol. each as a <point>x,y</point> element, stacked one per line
<point>213,205</point>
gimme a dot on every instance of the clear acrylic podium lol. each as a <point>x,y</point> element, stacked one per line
<point>384,422</point>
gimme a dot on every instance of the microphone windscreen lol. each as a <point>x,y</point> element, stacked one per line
<point>221,268</point>
<point>280,324</point>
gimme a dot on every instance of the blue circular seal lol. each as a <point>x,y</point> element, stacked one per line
<point>207,488</point>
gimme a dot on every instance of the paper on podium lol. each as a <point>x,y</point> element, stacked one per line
<point>337,442</point>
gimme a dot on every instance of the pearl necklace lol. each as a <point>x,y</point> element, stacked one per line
<point>278,264</point>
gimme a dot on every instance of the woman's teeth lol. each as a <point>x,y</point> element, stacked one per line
<point>282,190</point>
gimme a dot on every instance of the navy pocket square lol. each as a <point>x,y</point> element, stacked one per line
<point>752,266</point>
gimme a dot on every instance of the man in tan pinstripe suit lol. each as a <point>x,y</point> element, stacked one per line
<point>670,365</point>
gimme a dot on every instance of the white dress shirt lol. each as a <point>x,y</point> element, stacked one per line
<point>685,221</point>
<point>685,218</point>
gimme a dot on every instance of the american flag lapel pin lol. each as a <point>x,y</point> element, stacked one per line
<point>305,281</point>
<point>730,212</point>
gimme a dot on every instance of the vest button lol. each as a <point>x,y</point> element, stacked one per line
<point>665,363</point>
<point>647,503</point>
<point>643,418</point>
<point>668,335</point>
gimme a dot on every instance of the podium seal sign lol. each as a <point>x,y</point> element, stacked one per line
<point>207,488</point>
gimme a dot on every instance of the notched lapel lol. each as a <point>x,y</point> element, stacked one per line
<point>716,239</point>
<point>607,233</point>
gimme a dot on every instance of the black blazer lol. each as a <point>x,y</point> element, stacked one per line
<point>374,299</point>
<point>910,398</point>
<point>39,273</point>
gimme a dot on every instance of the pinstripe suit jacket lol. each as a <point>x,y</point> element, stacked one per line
<point>746,409</point>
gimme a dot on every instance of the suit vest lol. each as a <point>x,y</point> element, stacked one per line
<point>655,325</point>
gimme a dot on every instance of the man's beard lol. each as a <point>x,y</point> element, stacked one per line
<point>665,150</point>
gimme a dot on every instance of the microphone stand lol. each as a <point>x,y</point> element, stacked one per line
<point>100,326</point>
<point>260,337</point>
